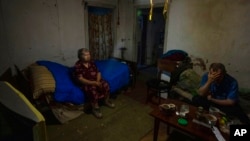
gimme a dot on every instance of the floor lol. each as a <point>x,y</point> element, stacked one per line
<point>139,94</point>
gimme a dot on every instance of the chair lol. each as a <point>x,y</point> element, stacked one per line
<point>157,86</point>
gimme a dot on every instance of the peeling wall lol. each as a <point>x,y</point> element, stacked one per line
<point>125,30</point>
<point>46,29</point>
<point>213,31</point>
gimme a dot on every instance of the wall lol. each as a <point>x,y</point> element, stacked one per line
<point>125,30</point>
<point>212,31</point>
<point>54,30</point>
<point>4,55</point>
<point>41,29</point>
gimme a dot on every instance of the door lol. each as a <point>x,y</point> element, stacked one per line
<point>149,36</point>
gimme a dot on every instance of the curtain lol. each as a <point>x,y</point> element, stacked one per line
<point>100,33</point>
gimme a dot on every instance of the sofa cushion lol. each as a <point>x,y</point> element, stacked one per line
<point>42,81</point>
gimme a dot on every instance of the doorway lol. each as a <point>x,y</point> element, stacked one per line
<point>149,36</point>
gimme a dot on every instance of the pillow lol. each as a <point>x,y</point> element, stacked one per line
<point>42,81</point>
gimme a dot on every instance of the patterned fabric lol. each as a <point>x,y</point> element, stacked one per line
<point>100,36</point>
<point>94,93</point>
<point>189,80</point>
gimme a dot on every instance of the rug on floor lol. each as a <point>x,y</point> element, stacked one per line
<point>129,121</point>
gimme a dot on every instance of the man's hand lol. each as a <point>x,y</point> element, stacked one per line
<point>209,97</point>
<point>213,76</point>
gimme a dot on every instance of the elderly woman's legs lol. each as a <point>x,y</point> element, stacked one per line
<point>108,103</point>
<point>106,91</point>
<point>96,110</point>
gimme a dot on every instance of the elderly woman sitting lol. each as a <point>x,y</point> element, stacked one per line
<point>89,77</point>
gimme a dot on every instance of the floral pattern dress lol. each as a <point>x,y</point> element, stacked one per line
<point>93,93</point>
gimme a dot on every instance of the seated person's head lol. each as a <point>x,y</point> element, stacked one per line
<point>83,54</point>
<point>218,68</point>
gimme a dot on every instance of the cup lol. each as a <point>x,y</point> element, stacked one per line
<point>184,109</point>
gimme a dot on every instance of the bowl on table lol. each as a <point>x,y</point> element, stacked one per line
<point>168,108</point>
<point>211,119</point>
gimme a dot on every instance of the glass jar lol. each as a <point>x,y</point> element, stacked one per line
<point>199,113</point>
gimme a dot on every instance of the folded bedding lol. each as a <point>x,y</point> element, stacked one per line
<point>66,90</point>
<point>113,71</point>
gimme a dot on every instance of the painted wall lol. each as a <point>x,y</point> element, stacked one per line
<point>53,30</point>
<point>212,31</point>
<point>47,29</point>
<point>4,51</point>
<point>125,30</point>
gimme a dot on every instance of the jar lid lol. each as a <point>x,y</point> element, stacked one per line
<point>182,121</point>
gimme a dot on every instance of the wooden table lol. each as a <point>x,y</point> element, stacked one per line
<point>191,128</point>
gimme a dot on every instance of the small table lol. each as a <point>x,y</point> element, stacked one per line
<point>191,128</point>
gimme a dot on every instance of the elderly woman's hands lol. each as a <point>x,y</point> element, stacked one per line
<point>97,83</point>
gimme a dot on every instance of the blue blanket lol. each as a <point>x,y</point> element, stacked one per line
<point>113,71</point>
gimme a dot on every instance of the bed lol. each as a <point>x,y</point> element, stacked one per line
<point>66,90</point>
<point>52,84</point>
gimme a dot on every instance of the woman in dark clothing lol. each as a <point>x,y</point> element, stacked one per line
<point>91,82</point>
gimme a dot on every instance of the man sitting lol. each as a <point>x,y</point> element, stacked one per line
<point>219,89</point>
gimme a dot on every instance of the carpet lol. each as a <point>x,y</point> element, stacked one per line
<point>129,121</point>
<point>162,134</point>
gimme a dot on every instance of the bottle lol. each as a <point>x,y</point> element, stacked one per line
<point>199,113</point>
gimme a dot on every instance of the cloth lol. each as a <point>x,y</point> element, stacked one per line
<point>66,90</point>
<point>93,93</point>
<point>175,55</point>
<point>227,89</point>
<point>116,73</point>
<point>189,81</point>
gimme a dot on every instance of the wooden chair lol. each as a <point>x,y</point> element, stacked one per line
<point>157,86</point>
